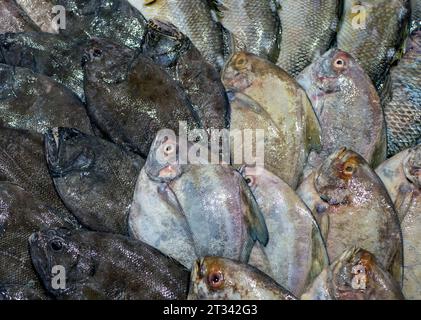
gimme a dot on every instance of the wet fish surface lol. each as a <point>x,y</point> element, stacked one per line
<point>22,161</point>
<point>173,51</point>
<point>347,106</point>
<point>35,102</point>
<point>253,26</point>
<point>296,251</point>
<point>21,215</point>
<point>355,275</point>
<point>353,208</point>
<point>41,12</point>
<point>194,19</point>
<point>215,278</point>
<point>206,209</point>
<point>401,175</point>
<point>308,30</point>
<point>94,178</point>
<point>131,100</point>
<point>14,19</point>
<point>403,111</point>
<point>103,266</point>
<point>55,56</point>
<point>286,103</point>
<point>373,32</point>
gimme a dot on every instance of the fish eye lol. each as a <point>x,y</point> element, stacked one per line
<point>241,62</point>
<point>97,53</point>
<point>349,169</point>
<point>169,148</point>
<point>56,245</point>
<point>249,180</point>
<point>339,64</point>
<point>216,279</point>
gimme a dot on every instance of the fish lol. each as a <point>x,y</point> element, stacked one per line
<point>355,275</point>
<point>174,52</point>
<point>22,162</point>
<point>52,55</point>
<point>14,19</point>
<point>401,175</point>
<point>35,102</point>
<point>215,278</point>
<point>353,208</point>
<point>194,19</point>
<point>94,178</point>
<point>403,110</point>
<point>296,251</point>
<point>111,19</point>
<point>287,105</point>
<point>416,14</point>
<point>131,99</point>
<point>41,13</point>
<point>373,32</point>
<point>105,266</point>
<point>347,106</point>
<point>21,215</point>
<point>207,209</point>
<point>21,292</point>
<point>308,30</point>
<point>253,26</point>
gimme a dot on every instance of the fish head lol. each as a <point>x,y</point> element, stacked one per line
<point>326,74</point>
<point>163,163</point>
<point>164,43</point>
<point>239,71</point>
<point>356,275</point>
<point>259,179</point>
<point>212,278</point>
<point>412,166</point>
<point>13,53</point>
<point>54,252</point>
<point>341,176</point>
<point>106,61</point>
<point>68,151</point>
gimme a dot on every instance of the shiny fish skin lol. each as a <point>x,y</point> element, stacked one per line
<point>295,251</point>
<point>403,111</point>
<point>378,44</point>
<point>112,19</point>
<point>14,19</point>
<point>348,108</point>
<point>35,102</point>
<point>55,56</point>
<point>416,14</point>
<point>253,25</point>
<point>20,215</point>
<point>94,178</point>
<point>194,19</point>
<point>353,208</point>
<point>205,209</point>
<point>172,50</point>
<point>22,161</point>
<point>41,12</point>
<point>308,29</point>
<point>131,100</point>
<point>401,175</point>
<point>215,278</point>
<point>287,105</point>
<point>104,266</point>
<point>21,292</point>
<point>355,275</point>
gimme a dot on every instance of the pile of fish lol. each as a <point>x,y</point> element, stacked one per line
<point>100,100</point>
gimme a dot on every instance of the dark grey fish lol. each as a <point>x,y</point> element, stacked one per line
<point>416,14</point>
<point>22,161</point>
<point>53,55</point>
<point>172,50</point>
<point>35,102</point>
<point>403,110</point>
<point>21,214</point>
<point>112,19</point>
<point>21,292</point>
<point>14,19</point>
<point>308,28</point>
<point>106,266</point>
<point>94,178</point>
<point>41,12</point>
<point>130,101</point>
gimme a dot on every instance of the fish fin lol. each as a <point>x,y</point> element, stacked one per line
<point>254,218</point>
<point>259,259</point>
<point>402,203</point>
<point>386,91</point>
<point>313,129</point>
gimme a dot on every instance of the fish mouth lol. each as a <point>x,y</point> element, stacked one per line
<point>39,258</point>
<point>165,28</point>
